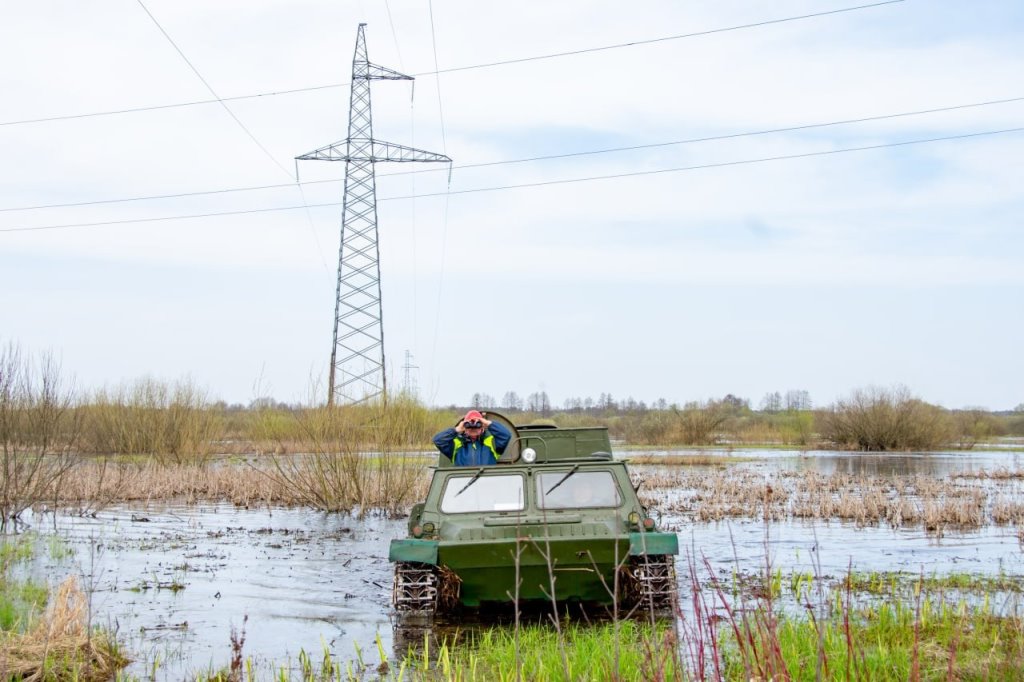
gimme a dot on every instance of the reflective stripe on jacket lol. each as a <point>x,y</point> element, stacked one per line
<point>465,452</point>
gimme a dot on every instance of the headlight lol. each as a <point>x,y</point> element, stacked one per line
<point>529,455</point>
<point>634,518</point>
<point>428,527</point>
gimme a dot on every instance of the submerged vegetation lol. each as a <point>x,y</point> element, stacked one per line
<point>936,505</point>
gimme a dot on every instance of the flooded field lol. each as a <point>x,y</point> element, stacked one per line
<point>174,580</point>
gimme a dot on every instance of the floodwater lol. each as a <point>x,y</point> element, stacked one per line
<point>175,581</point>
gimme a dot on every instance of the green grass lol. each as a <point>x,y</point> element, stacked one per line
<point>851,635</point>
<point>581,653</point>
<point>893,582</point>
<point>15,549</point>
<point>20,600</point>
<point>887,641</point>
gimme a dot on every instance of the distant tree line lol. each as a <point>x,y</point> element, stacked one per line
<point>539,403</point>
<point>868,419</point>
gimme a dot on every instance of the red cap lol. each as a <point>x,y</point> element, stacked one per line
<point>472,415</point>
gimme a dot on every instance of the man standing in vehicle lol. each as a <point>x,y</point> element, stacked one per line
<point>475,441</point>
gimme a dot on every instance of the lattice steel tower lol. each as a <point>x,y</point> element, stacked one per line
<point>357,356</point>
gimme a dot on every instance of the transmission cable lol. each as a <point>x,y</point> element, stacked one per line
<point>447,195</point>
<point>469,67</point>
<point>544,183</point>
<point>295,179</point>
<point>549,157</point>
<point>212,91</point>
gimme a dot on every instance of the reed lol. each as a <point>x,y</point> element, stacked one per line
<point>46,635</point>
<point>937,505</point>
<point>61,645</point>
<point>101,481</point>
<point>689,459</point>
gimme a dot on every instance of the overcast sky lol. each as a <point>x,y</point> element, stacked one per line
<point>826,273</point>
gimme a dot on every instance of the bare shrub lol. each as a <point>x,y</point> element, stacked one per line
<point>973,426</point>
<point>698,423</point>
<point>37,431</point>
<point>356,457</point>
<point>877,419</point>
<point>175,423</point>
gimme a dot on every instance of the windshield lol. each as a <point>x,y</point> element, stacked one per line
<point>582,489</point>
<point>489,493</point>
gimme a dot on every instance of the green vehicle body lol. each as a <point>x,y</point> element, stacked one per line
<point>565,523</point>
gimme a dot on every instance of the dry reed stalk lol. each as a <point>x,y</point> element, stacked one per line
<point>1000,474</point>
<point>61,640</point>
<point>242,484</point>
<point>898,501</point>
<point>1007,511</point>
<point>691,459</point>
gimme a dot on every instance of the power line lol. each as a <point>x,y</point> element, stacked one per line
<point>723,164</point>
<point>549,157</point>
<point>469,67</point>
<point>210,88</point>
<point>651,41</point>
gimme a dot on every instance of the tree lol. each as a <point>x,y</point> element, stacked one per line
<point>771,402</point>
<point>484,401</point>
<point>797,400</point>
<point>539,402</point>
<point>736,404</point>
<point>512,402</point>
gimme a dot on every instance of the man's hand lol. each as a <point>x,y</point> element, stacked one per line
<point>459,428</point>
<point>486,422</point>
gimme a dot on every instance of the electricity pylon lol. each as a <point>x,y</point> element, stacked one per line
<point>357,355</point>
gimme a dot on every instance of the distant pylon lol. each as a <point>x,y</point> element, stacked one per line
<point>357,354</point>
<point>409,387</point>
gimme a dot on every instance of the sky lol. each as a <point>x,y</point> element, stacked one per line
<point>680,269</point>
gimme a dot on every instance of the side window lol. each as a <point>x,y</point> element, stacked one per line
<point>488,493</point>
<point>581,489</point>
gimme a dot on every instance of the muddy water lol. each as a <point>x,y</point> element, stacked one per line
<point>175,580</point>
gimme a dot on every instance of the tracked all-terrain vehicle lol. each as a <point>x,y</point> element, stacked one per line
<point>556,516</point>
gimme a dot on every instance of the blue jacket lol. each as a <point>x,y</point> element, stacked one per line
<point>465,452</point>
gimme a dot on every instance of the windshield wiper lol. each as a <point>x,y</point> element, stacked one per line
<point>478,474</point>
<point>563,479</point>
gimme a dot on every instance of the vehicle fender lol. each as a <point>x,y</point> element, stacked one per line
<point>409,549</point>
<point>653,544</point>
